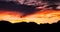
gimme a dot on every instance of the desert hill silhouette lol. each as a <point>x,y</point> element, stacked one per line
<point>28,27</point>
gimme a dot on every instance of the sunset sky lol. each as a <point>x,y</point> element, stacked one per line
<point>13,12</point>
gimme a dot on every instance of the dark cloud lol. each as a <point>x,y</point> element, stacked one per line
<point>51,1</point>
<point>8,5</point>
<point>14,6</point>
<point>17,7</point>
<point>8,0</point>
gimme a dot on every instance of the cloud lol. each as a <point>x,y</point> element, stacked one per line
<point>8,0</point>
<point>17,7</point>
<point>52,1</point>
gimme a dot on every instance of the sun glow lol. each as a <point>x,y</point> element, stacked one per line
<point>45,16</point>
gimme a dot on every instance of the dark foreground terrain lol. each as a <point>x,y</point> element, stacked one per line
<point>6,26</point>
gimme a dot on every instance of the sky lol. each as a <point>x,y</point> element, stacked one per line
<point>52,1</point>
<point>26,9</point>
<point>16,7</point>
<point>29,11</point>
<point>26,1</point>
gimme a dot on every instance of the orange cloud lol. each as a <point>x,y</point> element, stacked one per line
<point>44,16</point>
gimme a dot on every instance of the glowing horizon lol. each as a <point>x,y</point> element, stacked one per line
<point>47,16</point>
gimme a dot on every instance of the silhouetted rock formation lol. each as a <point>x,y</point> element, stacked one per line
<point>5,26</point>
<point>28,27</point>
<point>58,22</point>
<point>20,26</point>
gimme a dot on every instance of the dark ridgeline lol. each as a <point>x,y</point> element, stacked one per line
<point>28,27</point>
<point>18,27</point>
<point>5,26</point>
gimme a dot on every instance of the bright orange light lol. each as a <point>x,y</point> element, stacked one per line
<point>10,16</point>
<point>48,16</point>
<point>44,16</point>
